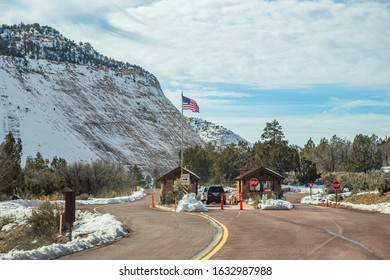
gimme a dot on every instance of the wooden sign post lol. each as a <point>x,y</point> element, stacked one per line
<point>70,210</point>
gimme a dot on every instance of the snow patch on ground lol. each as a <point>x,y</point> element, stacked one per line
<point>99,228</point>
<point>189,203</point>
<point>275,204</point>
<point>320,199</point>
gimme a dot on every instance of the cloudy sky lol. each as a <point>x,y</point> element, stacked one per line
<point>318,67</point>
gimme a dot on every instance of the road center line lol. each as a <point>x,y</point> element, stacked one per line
<point>351,240</point>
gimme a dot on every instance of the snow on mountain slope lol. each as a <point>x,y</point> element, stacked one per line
<point>85,113</point>
<point>66,99</point>
<point>216,134</point>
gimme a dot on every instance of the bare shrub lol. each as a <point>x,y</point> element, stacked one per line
<point>44,222</point>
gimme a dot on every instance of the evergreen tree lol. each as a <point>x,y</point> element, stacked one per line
<point>364,156</point>
<point>308,150</point>
<point>384,148</point>
<point>199,161</point>
<point>58,163</point>
<point>273,132</point>
<point>227,163</point>
<point>274,152</point>
<point>307,171</point>
<point>39,178</point>
<point>148,181</point>
<point>156,176</point>
<point>11,174</point>
<point>136,177</point>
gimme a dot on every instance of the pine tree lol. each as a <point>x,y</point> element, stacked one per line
<point>275,152</point>
<point>11,175</point>
<point>364,155</point>
<point>199,160</point>
<point>136,177</point>
<point>155,176</point>
<point>384,147</point>
<point>273,132</point>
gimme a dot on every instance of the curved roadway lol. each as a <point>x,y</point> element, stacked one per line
<point>154,234</point>
<point>305,232</point>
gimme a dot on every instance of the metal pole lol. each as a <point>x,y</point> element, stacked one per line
<point>61,225</point>
<point>70,231</point>
<point>182,136</point>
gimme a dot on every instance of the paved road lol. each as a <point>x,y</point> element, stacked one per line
<point>155,234</point>
<point>306,232</point>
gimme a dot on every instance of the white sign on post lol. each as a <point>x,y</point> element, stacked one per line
<point>185,179</point>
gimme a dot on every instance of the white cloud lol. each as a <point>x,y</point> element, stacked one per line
<point>270,44</point>
<point>264,43</point>
<point>340,104</point>
<point>258,44</point>
<point>344,125</point>
<point>298,129</point>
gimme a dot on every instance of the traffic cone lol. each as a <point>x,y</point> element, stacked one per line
<point>153,200</point>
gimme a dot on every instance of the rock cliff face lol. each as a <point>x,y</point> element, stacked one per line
<point>81,108</point>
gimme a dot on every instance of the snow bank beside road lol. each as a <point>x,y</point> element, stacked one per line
<point>99,228</point>
<point>275,204</point>
<point>319,199</point>
<point>129,198</point>
<point>189,203</point>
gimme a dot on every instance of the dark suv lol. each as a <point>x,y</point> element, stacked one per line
<point>214,193</point>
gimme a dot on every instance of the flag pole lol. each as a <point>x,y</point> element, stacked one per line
<point>182,135</point>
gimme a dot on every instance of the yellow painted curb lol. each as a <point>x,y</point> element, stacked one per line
<point>220,242</point>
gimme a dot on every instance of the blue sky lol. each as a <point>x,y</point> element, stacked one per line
<point>318,67</point>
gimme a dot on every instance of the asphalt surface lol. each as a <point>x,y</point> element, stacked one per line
<point>305,232</point>
<point>154,234</point>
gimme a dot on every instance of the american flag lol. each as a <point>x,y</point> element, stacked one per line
<point>190,104</point>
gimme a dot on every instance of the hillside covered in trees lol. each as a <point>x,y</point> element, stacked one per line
<point>42,177</point>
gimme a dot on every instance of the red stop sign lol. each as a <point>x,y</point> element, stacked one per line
<point>310,185</point>
<point>336,185</point>
<point>253,182</point>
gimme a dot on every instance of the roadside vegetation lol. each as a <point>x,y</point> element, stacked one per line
<point>47,180</point>
<point>369,198</point>
<point>356,165</point>
<point>40,229</point>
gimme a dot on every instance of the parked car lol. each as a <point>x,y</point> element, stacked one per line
<point>214,194</point>
<point>203,194</point>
